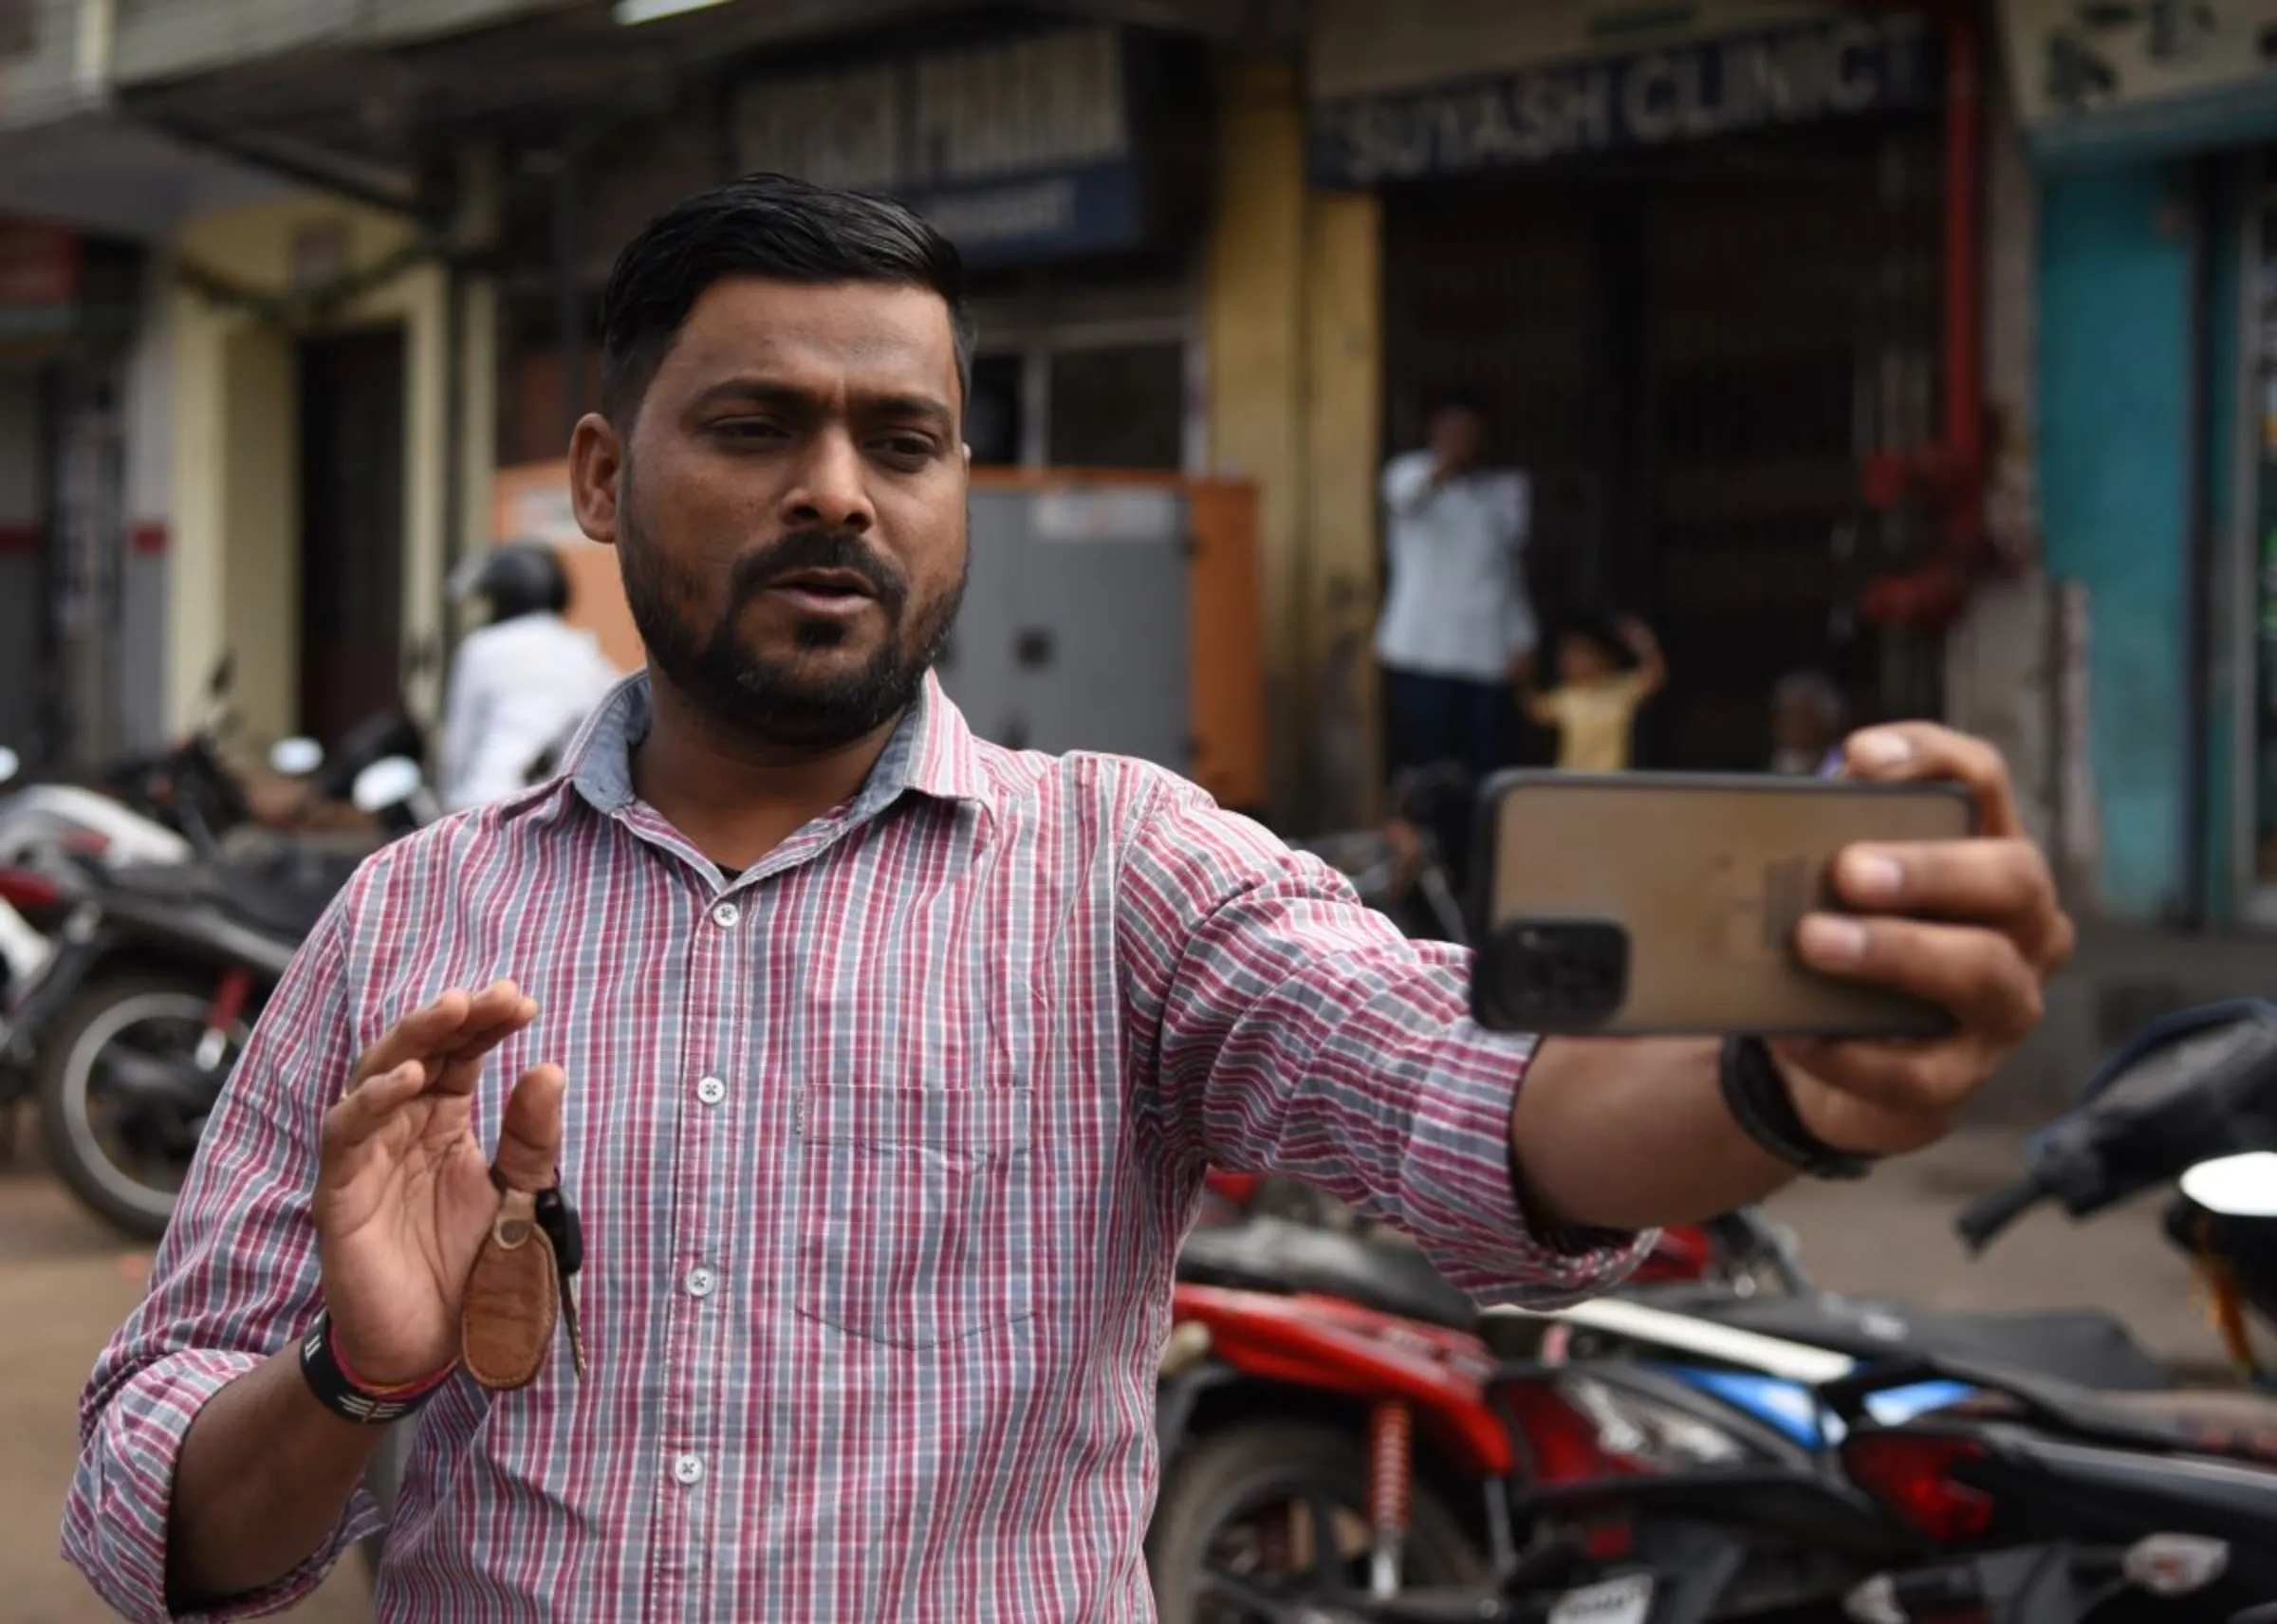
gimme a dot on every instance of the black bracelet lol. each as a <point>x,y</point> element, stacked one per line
<point>1756,1094</point>
<point>339,1391</point>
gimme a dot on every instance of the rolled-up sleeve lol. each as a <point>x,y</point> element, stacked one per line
<point>1279,1025</point>
<point>236,1278</point>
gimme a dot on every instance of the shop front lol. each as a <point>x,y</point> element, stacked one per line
<point>2151,134</point>
<point>1069,164</point>
<point>1691,270</point>
<point>81,588</point>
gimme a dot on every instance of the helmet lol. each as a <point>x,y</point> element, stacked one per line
<point>521,578</point>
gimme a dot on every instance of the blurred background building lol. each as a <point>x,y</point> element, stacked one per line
<point>1923,345</point>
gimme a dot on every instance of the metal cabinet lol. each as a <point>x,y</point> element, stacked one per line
<point>1076,628</point>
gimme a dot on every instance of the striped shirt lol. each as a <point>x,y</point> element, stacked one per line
<point>885,1150</point>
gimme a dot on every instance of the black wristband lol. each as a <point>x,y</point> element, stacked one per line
<point>1756,1094</point>
<point>338,1392</point>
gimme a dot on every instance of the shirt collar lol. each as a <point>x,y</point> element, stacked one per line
<point>931,752</point>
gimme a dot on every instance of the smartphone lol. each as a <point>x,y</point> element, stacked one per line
<point>1665,904</point>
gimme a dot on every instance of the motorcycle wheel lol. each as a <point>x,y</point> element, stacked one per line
<point>1232,1492</point>
<point>134,1191</point>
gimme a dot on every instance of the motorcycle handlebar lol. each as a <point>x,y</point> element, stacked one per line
<point>1993,1213</point>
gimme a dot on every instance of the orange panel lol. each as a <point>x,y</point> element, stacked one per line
<point>533,501</point>
<point>1227,672</point>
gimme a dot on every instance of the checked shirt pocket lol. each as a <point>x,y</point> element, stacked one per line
<point>914,1222</point>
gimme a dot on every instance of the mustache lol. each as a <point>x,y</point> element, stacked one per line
<point>817,549</point>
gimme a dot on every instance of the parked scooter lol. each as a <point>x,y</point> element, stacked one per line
<point>136,1023</point>
<point>1691,1469</point>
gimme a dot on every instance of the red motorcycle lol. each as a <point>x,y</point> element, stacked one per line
<point>1323,1417</point>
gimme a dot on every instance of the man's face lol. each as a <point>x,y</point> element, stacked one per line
<point>789,506</point>
<point>1457,436</point>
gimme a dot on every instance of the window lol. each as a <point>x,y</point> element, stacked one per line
<point>1123,406</point>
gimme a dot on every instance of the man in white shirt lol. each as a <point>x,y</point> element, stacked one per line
<point>521,685</point>
<point>1456,621</point>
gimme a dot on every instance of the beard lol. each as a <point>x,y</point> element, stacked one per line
<point>775,698</point>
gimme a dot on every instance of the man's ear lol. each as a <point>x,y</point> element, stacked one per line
<point>596,477</point>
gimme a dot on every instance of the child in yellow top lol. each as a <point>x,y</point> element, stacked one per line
<point>1596,700</point>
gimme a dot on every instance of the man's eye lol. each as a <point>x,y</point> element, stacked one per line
<point>906,447</point>
<point>747,429</point>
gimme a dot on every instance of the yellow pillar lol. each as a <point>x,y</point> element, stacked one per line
<point>1293,328</point>
<point>1255,334</point>
<point>1344,435</point>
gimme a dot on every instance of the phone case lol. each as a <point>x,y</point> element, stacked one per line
<point>1665,904</point>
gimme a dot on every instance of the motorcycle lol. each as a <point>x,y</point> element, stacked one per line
<point>134,1025</point>
<point>1403,869</point>
<point>1689,1468</point>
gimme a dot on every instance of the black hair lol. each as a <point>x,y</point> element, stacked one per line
<point>1600,628</point>
<point>1439,405</point>
<point>775,229</point>
<point>519,578</point>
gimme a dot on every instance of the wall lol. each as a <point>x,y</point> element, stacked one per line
<point>2114,385</point>
<point>236,480</point>
<point>23,512</point>
<point>149,499</point>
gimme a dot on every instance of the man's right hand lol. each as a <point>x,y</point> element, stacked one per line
<point>403,1189</point>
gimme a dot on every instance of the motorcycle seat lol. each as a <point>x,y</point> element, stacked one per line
<point>283,892</point>
<point>2239,1426</point>
<point>2085,1347</point>
<point>1273,1255</point>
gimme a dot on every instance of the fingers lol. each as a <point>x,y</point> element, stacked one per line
<point>1980,975</point>
<point>367,1108</point>
<point>529,1139</point>
<point>1884,1098</point>
<point>2005,883</point>
<point>1913,752</point>
<point>458,1025</point>
<point>1884,1089</point>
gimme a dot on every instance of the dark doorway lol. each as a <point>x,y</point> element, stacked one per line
<point>1691,352</point>
<point>352,405</point>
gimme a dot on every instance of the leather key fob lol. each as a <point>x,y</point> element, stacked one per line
<point>512,1299</point>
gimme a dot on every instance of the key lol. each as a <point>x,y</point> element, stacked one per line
<point>559,1219</point>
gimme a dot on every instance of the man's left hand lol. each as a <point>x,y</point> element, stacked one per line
<point>1971,925</point>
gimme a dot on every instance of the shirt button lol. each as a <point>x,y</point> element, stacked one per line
<point>701,1281</point>
<point>688,1469</point>
<point>724,915</point>
<point>710,1091</point>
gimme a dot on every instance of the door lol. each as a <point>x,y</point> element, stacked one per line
<point>1691,354</point>
<point>352,534</point>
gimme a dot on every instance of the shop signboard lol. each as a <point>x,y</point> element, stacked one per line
<point>1825,67</point>
<point>1019,149</point>
<point>2140,79</point>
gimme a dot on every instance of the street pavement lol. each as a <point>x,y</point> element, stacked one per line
<point>66,1281</point>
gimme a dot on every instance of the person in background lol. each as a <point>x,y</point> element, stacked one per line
<point>1806,723</point>
<point>521,685</point>
<point>1456,623</point>
<point>1597,695</point>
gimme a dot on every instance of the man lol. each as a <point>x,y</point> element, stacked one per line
<point>520,685</point>
<point>1457,626</point>
<point>884,1065</point>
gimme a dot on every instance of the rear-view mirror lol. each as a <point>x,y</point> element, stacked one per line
<point>296,757</point>
<point>389,782</point>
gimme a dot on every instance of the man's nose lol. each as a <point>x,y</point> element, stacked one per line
<point>829,488</point>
